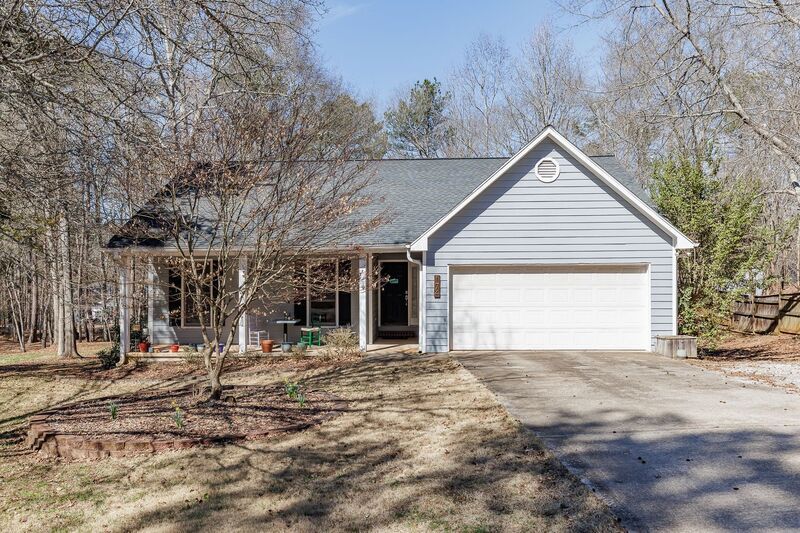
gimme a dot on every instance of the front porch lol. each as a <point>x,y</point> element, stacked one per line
<point>382,306</point>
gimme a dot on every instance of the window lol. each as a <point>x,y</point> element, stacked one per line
<point>174,300</point>
<point>324,303</point>
<point>183,304</point>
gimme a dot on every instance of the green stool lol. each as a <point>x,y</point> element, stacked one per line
<point>311,336</point>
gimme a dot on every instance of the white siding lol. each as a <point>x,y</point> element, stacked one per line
<point>574,220</point>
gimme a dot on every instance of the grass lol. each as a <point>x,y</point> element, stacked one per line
<point>10,355</point>
<point>422,446</point>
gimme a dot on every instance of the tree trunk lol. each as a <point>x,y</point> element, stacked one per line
<point>57,322</point>
<point>68,317</point>
<point>34,307</point>
<point>16,317</point>
<point>216,385</point>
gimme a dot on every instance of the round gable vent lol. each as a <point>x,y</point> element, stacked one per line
<point>546,170</point>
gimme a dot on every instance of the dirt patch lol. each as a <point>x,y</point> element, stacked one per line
<point>767,359</point>
<point>739,347</point>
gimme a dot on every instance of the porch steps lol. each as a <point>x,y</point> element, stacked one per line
<point>396,333</point>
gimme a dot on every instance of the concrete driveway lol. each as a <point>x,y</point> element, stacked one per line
<point>669,445</point>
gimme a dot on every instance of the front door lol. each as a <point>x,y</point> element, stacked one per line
<point>394,294</point>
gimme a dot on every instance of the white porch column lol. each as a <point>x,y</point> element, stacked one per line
<point>243,329</point>
<point>151,292</point>
<point>124,310</point>
<point>363,315</point>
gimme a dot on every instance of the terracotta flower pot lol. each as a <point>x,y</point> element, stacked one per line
<point>266,345</point>
<point>144,347</point>
<point>174,347</point>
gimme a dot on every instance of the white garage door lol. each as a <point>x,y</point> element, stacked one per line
<point>551,308</point>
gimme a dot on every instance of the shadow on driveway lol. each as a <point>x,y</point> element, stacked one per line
<point>670,446</point>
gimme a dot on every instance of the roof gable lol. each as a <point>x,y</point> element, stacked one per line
<point>628,194</point>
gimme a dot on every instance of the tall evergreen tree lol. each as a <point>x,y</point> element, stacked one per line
<point>418,125</point>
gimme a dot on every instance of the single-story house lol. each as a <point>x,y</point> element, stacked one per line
<point>550,249</point>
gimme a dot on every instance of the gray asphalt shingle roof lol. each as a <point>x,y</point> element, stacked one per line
<point>416,193</point>
<point>413,194</point>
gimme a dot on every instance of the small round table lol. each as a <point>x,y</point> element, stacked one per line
<point>286,322</point>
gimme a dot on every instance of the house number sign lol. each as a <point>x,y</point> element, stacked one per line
<point>437,286</point>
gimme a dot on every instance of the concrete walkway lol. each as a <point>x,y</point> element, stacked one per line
<point>670,446</point>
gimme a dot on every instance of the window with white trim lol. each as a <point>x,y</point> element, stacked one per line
<point>327,300</point>
<point>183,305</point>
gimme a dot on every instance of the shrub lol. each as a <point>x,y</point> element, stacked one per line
<point>109,357</point>
<point>725,215</point>
<point>342,342</point>
<point>192,357</point>
<point>113,408</point>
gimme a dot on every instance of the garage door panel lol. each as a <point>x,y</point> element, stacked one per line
<point>565,308</point>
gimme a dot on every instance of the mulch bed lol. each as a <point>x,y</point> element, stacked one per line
<point>146,422</point>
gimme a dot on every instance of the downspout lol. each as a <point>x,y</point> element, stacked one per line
<point>420,300</point>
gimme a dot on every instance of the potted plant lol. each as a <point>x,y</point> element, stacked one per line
<point>266,345</point>
<point>175,347</point>
<point>301,347</point>
<point>286,347</point>
<point>144,345</point>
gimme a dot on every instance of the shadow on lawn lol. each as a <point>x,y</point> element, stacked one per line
<point>93,380</point>
<point>362,471</point>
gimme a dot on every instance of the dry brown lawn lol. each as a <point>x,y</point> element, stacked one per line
<point>422,446</point>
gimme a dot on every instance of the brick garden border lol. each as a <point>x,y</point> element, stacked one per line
<point>45,439</point>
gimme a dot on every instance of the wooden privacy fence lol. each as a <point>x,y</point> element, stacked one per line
<point>767,314</point>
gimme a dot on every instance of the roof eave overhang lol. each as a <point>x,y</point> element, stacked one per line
<point>679,240</point>
<point>172,251</point>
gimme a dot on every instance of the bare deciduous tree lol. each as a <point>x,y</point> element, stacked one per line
<point>686,74</point>
<point>503,100</point>
<point>282,181</point>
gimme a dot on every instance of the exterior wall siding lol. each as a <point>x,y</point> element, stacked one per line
<point>574,220</point>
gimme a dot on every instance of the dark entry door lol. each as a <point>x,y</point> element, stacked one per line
<point>394,294</point>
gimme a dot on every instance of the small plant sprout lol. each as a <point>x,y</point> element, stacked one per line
<point>291,388</point>
<point>177,416</point>
<point>301,400</point>
<point>113,409</point>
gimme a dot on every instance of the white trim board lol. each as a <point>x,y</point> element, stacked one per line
<point>679,240</point>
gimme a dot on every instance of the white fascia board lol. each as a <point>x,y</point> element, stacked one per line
<point>679,240</point>
<point>199,252</point>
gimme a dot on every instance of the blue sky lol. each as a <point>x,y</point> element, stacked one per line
<point>379,46</point>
